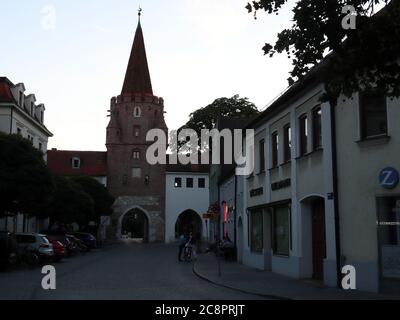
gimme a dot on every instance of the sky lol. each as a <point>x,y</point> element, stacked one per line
<point>73,56</point>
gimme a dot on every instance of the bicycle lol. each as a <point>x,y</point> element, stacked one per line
<point>188,253</point>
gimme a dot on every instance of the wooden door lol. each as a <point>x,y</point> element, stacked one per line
<point>318,238</point>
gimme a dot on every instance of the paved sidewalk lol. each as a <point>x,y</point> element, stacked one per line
<point>271,285</point>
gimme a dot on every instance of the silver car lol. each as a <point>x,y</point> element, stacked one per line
<point>37,243</point>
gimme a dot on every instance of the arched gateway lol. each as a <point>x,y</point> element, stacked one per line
<point>135,225</point>
<point>188,221</point>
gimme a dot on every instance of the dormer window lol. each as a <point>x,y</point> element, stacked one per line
<point>76,163</point>
<point>41,116</point>
<point>21,99</point>
<point>137,112</point>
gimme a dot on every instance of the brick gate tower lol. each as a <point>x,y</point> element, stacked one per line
<point>138,187</point>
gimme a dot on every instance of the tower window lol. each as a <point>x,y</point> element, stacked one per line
<point>76,163</point>
<point>137,112</point>
<point>136,173</point>
<point>136,155</point>
<point>136,131</point>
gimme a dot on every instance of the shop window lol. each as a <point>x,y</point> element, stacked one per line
<point>373,115</point>
<point>389,236</point>
<point>275,149</point>
<point>256,231</point>
<point>317,128</point>
<point>281,230</point>
<point>178,183</point>
<point>287,141</point>
<point>262,156</point>
<point>303,134</point>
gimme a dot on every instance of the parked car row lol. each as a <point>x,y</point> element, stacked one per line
<point>40,248</point>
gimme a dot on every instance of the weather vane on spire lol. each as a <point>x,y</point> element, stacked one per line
<point>140,12</point>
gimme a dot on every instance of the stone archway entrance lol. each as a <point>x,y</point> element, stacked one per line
<point>188,221</point>
<point>135,225</point>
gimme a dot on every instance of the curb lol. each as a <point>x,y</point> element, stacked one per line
<point>273,297</point>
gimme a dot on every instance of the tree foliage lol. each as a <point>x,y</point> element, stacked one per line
<point>26,184</point>
<point>207,117</point>
<point>360,59</point>
<point>70,203</point>
<point>102,199</point>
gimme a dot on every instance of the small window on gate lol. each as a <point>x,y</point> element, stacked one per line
<point>178,183</point>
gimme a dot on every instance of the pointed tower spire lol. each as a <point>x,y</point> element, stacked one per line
<point>137,77</point>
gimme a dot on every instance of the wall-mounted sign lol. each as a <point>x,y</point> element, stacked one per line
<point>256,192</point>
<point>389,178</point>
<point>105,221</point>
<point>281,184</point>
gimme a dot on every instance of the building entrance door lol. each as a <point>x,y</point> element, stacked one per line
<point>318,238</point>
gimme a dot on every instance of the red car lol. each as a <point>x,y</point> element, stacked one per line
<point>58,248</point>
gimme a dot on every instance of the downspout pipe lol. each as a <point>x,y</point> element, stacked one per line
<point>333,105</point>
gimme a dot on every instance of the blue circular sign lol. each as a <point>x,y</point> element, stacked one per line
<point>389,178</point>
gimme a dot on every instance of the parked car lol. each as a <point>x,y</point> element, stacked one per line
<point>88,239</point>
<point>37,243</point>
<point>8,249</point>
<point>59,249</point>
<point>56,235</point>
<point>76,245</point>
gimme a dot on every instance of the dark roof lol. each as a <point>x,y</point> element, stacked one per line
<point>92,163</point>
<point>5,91</point>
<point>190,168</point>
<point>233,122</point>
<point>137,77</point>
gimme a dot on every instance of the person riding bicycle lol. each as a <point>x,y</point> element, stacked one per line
<point>190,248</point>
